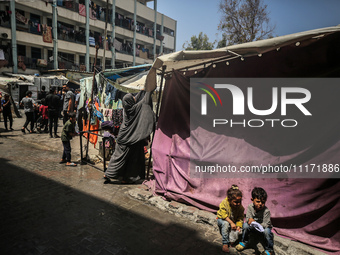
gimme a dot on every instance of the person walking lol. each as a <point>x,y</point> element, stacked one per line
<point>7,113</point>
<point>53,102</point>
<point>29,105</point>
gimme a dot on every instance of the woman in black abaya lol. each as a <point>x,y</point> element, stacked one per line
<point>127,162</point>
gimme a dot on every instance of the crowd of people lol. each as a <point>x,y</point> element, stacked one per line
<point>43,114</point>
<point>127,163</point>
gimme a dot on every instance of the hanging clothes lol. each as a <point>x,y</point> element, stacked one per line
<point>92,138</point>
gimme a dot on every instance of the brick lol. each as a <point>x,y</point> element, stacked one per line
<point>206,217</point>
<point>190,210</point>
<point>174,205</point>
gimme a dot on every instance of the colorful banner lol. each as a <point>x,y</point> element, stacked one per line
<point>82,10</point>
<point>21,18</point>
<point>47,34</point>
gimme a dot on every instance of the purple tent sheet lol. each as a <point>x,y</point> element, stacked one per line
<point>306,210</point>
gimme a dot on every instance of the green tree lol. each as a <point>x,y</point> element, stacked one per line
<point>199,43</point>
<point>244,21</point>
<point>223,42</point>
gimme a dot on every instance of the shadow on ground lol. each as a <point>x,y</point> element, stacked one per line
<point>42,216</point>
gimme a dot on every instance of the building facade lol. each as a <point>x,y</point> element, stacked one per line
<point>132,35</point>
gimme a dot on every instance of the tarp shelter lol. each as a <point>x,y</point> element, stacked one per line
<point>17,86</point>
<point>50,81</point>
<point>121,78</point>
<point>306,210</point>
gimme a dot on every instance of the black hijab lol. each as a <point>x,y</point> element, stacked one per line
<point>138,118</point>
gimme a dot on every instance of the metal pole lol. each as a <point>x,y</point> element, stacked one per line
<point>160,91</point>
<point>113,36</point>
<point>14,37</point>
<point>157,111</point>
<point>155,31</point>
<point>104,153</point>
<point>134,34</point>
<point>81,146</point>
<point>55,34</point>
<point>91,101</point>
<point>162,29</point>
<point>105,34</point>
<point>175,35</point>
<point>87,36</point>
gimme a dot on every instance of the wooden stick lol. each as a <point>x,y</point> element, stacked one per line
<point>91,101</point>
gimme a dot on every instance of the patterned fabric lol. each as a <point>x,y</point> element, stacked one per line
<point>117,117</point>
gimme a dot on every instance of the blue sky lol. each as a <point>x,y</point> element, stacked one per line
<point>289,16</point>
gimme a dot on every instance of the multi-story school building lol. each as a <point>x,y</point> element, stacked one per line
<point>126,43</point>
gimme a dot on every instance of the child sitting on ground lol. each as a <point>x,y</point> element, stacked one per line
<point>257,222</point>
<point>66,136</point>
<point>230,217</point>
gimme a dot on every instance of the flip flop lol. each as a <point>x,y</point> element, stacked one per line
<point>106,180</point>
<point>62,161</point>
<point>71,164</point>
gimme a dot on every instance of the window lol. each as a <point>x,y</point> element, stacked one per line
<point>36,53</point>
<point>169,31</point>
<point>17,20</point>
<point>66,57</point>
<point>49,22</point>
<point>21,50</point>
<point>108,64</point>
<point>35,26</point>
<point>82,60</point>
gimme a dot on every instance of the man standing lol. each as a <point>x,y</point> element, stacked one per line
<point>79,126</point>
<point>77,98</point>
<point>6,110</point>
<point>68,106</point>
<point>42,93</point>
<point>52,101</point>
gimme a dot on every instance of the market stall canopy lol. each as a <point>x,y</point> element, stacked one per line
<point>129,79</point>
<point>115,74</point>
<point>191,60</point>
<point>138,82</point>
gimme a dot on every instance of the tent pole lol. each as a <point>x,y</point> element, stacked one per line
<point>160,91</point>
<point>157,111</point>
<point>91,101</point>
<point>217,60</point>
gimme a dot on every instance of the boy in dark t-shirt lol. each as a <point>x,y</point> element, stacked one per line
<point>66,136</point>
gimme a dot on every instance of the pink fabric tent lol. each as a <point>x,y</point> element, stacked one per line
<point>306,210</point>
